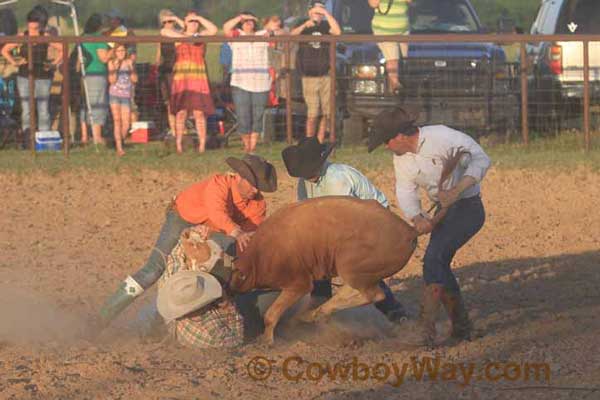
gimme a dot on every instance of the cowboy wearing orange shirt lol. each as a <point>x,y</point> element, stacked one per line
<point>231,204</point>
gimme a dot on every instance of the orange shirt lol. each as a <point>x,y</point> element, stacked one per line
<point>216,201</point>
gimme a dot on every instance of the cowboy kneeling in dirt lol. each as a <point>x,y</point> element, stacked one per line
<point>230,206</point>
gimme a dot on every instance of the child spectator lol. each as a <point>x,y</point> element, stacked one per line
<point>272,25</point>
<point>122,77</point>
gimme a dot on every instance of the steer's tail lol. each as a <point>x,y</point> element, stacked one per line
<point>449,164</point>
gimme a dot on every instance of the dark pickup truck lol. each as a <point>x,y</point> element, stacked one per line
<point>465,85</point>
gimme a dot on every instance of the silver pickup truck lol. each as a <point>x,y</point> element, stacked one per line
<point>556,80</point>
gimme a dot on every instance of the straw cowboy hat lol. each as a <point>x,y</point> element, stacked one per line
<point>259,172</point>
<point>185,292</point>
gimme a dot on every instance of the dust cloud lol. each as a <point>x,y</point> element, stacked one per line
<point>27,317</point>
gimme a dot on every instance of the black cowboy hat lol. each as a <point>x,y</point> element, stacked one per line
<point>389,123</point>
<point>305,159</point>
<point>259,172</point>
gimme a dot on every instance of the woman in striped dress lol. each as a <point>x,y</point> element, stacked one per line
<point>190,90</point>
<point>391,18</point>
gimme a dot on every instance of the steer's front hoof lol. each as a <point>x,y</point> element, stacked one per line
<point>308,316</point>
<point>266,339</point>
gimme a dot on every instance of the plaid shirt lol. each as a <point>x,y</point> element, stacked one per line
<point>218,324</point>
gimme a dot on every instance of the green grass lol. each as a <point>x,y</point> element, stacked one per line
<point>563,153</point>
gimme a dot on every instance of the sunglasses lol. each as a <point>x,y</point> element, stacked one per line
<point>169,21</point>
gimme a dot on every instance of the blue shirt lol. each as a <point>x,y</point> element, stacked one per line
<point>340,180</point>
<point>225,57</point>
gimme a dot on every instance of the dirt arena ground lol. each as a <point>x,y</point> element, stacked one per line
<point>530,279</point>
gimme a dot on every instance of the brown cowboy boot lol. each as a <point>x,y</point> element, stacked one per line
<point>455,307</point>
<point>432,295</point>
<point>424,334</point>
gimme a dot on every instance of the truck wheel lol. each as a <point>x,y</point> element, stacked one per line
<point>354,129</point>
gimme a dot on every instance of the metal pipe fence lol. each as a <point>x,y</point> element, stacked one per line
<point>459,82</point>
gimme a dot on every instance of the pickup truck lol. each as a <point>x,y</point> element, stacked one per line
<point>465,85</point>
<point>556,79</point>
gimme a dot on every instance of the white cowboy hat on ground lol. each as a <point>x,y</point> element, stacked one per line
<point>185,292</point>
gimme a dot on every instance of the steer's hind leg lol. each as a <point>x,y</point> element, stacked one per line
<point>346,297</point>
<point>285,300</point>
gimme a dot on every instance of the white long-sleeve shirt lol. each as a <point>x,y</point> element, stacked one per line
<point>423,169</point>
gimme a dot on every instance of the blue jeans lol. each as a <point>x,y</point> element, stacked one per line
<point>97,89</point>
<point>166,242</point>
<point>249,108</point>
<point>42,97</point>
<point>463,220</point>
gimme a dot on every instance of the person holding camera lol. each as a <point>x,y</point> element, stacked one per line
<point>313,64</point>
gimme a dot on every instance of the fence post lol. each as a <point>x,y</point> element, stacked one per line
<point>333,88</point>
<point>586,95</point>
<point>32,102</point>
<point>524,95</point>
<point>288,89</point>
<point>66,98</point>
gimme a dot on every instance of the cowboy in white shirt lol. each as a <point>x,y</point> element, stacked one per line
<point>419,153</point>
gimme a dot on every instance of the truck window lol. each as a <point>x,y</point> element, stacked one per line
<point>427,16</point>
<point>354,16</point>
<point>442,16</point>
<point>582,15</point>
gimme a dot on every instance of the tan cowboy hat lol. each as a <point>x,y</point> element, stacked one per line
<point>185,292</point>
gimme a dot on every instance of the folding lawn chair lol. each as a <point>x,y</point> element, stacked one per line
<point>9,128</point>
<point>226,117</point>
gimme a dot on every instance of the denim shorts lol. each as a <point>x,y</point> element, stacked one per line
<point>249,107</point>
<point>120,101</point>
<point>97,88</point>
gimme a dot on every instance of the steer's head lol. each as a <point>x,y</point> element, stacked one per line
<point>240,281</point>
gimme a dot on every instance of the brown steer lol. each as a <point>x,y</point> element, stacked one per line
<point>357,240</point>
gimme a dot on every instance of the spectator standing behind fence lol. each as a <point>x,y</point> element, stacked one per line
<point>165,58</point>
<point>41,73</point>
<point>190,92</point>
<point>117,28</point>
<point>313,64</point>
<point>95,57</point>
<point>391,18</point>
<point>250,80</point>
<point>272,24</point>
<point>122,77</point>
